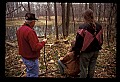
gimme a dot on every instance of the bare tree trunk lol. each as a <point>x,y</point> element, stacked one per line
<point>95,10</point>
<point>109,25</point>
<point>48,8</point>
<point>91,6</point>
<point>56,21</point>
<point>104,12</point>
<point>29,7</point>
<point>13,9</point>
<point>85,6</point>
<point>17,7</point>
<point>104,22</point>
<point>45,59</point>
<point>99,13</point>
<point>67,19</point>
<point>112,31</point>
<point>10,8</point>
<point>79,10</point>
<point>63,20</point>
<point>73,17</point>
<point>10,12</point>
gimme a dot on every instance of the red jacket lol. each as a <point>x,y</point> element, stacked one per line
<point>29,45</point>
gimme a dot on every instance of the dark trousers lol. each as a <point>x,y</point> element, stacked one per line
<point>87,64</point>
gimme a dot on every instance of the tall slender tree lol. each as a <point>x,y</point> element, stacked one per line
<point>48,8</point>
<point>63,20</point>
<point>29,7</point>
<point>56,21</point>
<point>73,17</point>
<point>67,19</point>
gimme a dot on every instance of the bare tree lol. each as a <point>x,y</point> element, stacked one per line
<point>11,11</point>
<point>86,6</point>
<point>73,17</point>
<point>99,12</point>
<point>67,19</point>
<point>56,21</point>
<point>29,7</point>
<point>63,19</point>
<point>48,8</point>
<point>91,6</point>
<point>111,23</point>
<point>79,10</point>
<point>16,4</point>
<point>10,8</point>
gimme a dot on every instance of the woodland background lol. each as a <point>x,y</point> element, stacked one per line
<point>58,22</point>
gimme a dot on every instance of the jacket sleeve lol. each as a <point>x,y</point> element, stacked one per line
<point>101,38</point>
<point>78,44</point>
<point>34,42</point>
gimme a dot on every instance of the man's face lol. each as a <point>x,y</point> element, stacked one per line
<point>33,23</point>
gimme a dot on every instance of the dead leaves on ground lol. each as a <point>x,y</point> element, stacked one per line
<point>14,67</point>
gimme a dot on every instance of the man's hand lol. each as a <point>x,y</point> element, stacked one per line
<point>45,40</point>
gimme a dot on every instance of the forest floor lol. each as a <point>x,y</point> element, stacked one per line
<point>14,67</point>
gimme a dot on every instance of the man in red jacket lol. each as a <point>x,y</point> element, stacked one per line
<point>29,45</point>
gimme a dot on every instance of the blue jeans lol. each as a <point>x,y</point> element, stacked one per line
<point>32,67</point>
<point>61,67</point>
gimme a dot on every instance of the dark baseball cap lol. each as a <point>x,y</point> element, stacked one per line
<point>30,16</point>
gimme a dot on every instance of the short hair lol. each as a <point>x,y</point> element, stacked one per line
<point>28,21</point>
